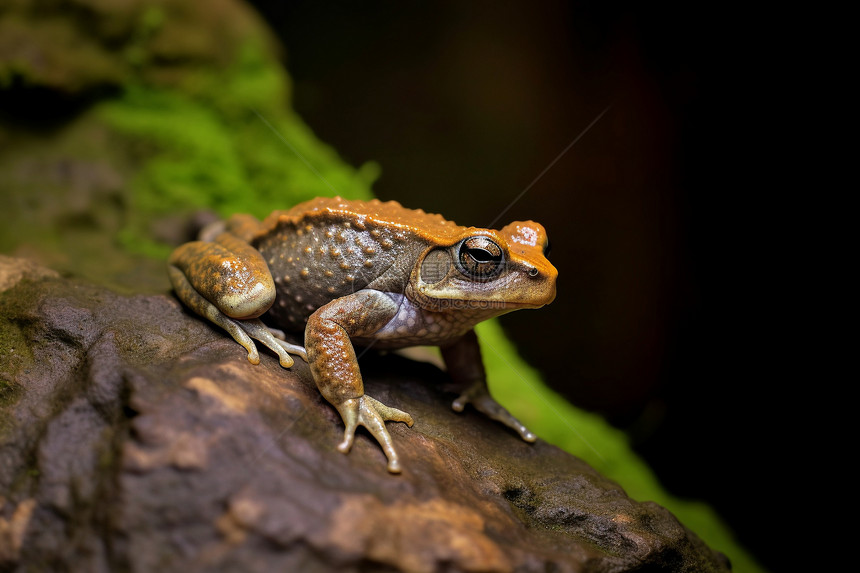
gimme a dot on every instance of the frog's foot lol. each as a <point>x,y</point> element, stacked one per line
<point>257,330</point>
<point>294,349</point>
<point>372,414</point>
<point>480,398</point>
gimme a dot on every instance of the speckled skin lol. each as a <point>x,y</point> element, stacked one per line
<point>368,274</point>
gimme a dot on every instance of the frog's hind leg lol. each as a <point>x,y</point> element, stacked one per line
<point>229,282</point>
<point>206,309</point>
<point>242,331</point>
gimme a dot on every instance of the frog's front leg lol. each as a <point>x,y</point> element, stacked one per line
<point>228,282</point>
<point>334,366</point>
<point>463,360</point>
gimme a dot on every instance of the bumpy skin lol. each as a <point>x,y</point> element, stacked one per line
<point>368,274</point>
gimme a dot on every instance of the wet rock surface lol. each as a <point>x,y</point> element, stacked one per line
<point>134,436</point>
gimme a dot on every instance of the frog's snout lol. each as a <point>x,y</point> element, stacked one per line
<point>545,278</point>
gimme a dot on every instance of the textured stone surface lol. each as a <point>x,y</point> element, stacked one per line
<point>81,48</point>
<point>135,437</point>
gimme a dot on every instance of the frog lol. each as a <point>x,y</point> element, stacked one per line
<point>365,274</point>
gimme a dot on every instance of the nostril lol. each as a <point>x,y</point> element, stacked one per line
<point>533,272</point>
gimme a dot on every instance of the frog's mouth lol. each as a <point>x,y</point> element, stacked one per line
<point>497,304</point>
<point>538,302</point>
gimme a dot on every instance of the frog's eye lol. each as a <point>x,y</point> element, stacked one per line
<point>547,248</point>
<point>480,258</point>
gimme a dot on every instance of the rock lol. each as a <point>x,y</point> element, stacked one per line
<point>136,437</point>
<point>85,48</point>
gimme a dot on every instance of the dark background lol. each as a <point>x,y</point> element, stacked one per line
<point>670,317</point>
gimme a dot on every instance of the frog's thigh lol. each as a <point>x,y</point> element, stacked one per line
<point>228,273</point>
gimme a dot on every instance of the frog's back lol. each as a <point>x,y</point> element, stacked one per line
<point>327,248</point>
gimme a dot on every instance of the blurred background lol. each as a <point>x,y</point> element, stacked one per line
<point>635,132</point>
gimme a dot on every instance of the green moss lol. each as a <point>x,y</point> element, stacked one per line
<point>15,356</point>
<point>15,353</point>
<point>226,143</point>
<point>10,392</point>
<point>519,388</point>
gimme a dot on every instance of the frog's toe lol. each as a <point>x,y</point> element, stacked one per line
<point>372,414</point>
<point>480,398</point>
<point>243,339</point>
<point>525,434</point>
<point>293,349</point>
<point>257,330</point>
<point>253,355</point>
<point>390,414</point>
<point>348,438</point>
<point>277,333</point>
<point>394,466</point>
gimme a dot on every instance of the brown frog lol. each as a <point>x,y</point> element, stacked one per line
<point>356,273</point>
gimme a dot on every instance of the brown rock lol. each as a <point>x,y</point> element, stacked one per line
<point>133,436</point>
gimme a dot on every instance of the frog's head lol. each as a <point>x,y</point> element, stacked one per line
<point>487,269</point>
